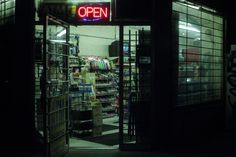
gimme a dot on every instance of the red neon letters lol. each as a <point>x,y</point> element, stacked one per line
<point>93,12</point>
<point>96,12</point>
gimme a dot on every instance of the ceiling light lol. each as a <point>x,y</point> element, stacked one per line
<point>192,6</point>
<point>189,28</point>
<point>58,41</point>
<point>61,33</point>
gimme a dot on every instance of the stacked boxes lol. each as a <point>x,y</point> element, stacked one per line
<point>97,118</point>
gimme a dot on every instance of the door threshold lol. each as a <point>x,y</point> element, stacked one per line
<point>93,148</point>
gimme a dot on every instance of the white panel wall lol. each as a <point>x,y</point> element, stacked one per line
<point>95,40</point>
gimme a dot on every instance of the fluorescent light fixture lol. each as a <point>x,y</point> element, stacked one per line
<point>86,1</point>
<point>61,33</point>
<point>187,26</point>
<point>58,41</point>
<point>192,6</point>
<point>208,9</point>
<point>184,23</point>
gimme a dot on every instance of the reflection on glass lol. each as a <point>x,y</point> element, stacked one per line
<point>7,11</point>
<point>200,54</point>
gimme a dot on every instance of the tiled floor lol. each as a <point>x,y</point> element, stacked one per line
<point>117,153</point>
<point>81,148</point>
<point>78,143</point>
<point>225,149</point>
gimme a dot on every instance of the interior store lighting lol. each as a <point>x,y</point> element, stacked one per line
<point>187,26</point>
<point>61,33</point>
<point>58,41</point>
<point>192,6</point>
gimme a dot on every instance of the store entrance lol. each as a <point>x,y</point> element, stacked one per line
<point>94,88</point>
<point>110,71</point>
<point>109,76</point>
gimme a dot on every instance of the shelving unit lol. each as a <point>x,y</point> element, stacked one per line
<point>95,102</point>
<point>81,120</point>
<point>82,94</point>
<point>106,94</point>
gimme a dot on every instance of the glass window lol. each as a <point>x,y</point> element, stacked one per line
<point>182,17</point>
<point>218,53</point>
<point>218,26</point>
<point>194,20</point>
<point>182,40</point>
<point>7,11</point>
<point>180,8</point>
<point>207,16</point>
<point>207,23</point>
<point>218,19</point>
<point>217,39</point>
<point>193,11</point>
<point>200,69</point>
<point>218,33</point>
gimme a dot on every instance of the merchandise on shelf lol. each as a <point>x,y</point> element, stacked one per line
<point>98,72</point>
<point>96,63</point>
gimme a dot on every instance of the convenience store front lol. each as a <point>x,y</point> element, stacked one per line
<point>189,107</point>
<point>100,71</point>
<point>88,59</point>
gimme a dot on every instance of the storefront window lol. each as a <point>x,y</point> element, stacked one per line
<point>86,1</point>
<point>200,49</point>
<point>7,11</point>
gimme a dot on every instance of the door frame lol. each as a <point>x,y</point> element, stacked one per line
<point>121,24</point>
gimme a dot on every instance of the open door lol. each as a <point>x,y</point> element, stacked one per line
<point>54,87</point>
<point>135,82</point>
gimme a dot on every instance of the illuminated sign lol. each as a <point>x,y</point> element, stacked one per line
<point>93,12</point>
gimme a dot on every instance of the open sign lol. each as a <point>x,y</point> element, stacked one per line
<point>93,12</point>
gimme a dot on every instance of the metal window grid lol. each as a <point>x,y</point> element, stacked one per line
<point>7,11</point>
<point>200,42</point>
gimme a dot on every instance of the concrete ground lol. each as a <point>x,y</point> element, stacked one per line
<point>226,148</point>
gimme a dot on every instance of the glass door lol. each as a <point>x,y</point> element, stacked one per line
<point>54,82</point>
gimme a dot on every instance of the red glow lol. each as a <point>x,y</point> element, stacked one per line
<point>82,11</point>
<point>93,12</point>
<point>97,12</point>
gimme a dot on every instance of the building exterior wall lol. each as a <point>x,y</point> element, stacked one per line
<point>17,62</point>
<point>166,122</point>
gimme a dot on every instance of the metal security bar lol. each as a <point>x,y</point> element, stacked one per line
<point>55,90</point>
<point>7,11</point>
<point>130,42</point>
<point>200,53</point>
<point>136,83</point>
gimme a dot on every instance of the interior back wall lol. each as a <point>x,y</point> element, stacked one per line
<point>95,40</point>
